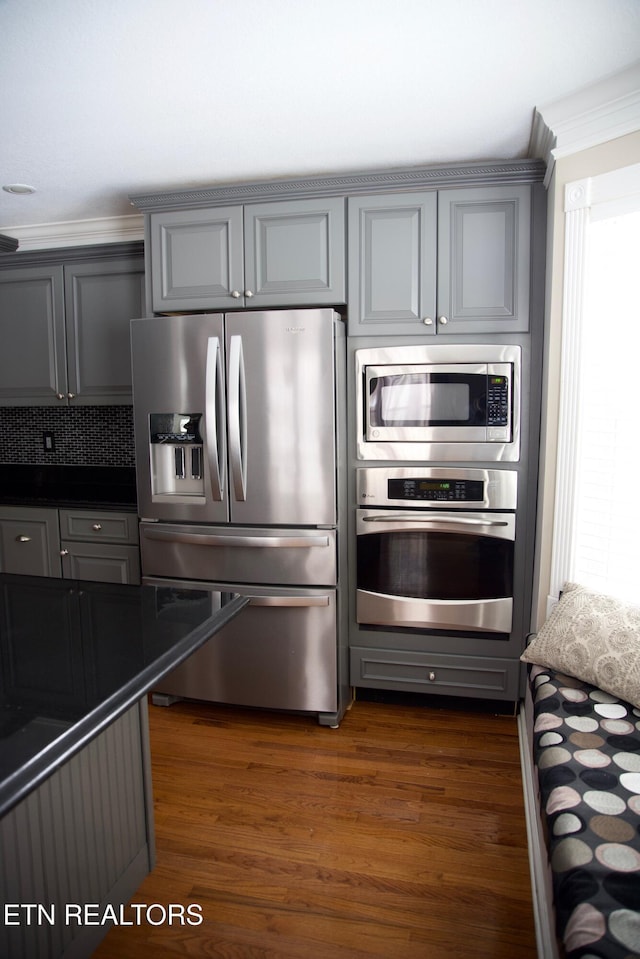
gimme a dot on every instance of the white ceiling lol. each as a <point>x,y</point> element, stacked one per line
<point>103,98</point>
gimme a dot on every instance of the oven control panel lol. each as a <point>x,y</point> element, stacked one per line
<point>446,490</point>
<point>437,487</point>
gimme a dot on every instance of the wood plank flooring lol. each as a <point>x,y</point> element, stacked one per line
<point>400,835</point>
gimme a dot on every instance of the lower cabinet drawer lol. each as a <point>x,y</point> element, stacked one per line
<point>105,527</point>
<point>104,563</point>
<point>433,673</point>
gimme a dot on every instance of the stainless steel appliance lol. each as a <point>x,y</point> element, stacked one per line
<point>435,548</point>
<point>441,402</point>
<point>237,469</point>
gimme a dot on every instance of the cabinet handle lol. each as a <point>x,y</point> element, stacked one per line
<point>443,320</point>
<point>23,539</point>
<point>97,527</point>
<point>236,294</point>
<point>432,676</point>
<point>428,321</point>
<point>64,552</point>
<point>248,294</point>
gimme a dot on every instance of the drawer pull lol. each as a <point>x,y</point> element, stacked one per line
<point>64,552</point>
<point>97,527</point>
<point>432,676</point>
<point>23,539</point>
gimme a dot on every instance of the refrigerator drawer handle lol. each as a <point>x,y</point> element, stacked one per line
<point>289,601</point>
<point>213,408</point>
<point>220,539</point>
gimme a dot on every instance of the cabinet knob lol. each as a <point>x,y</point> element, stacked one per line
<point>23,539</point>
<point>236,294</point>
<point>60,396</point>
<point>432,676</point>
<point>248,294</point>
<point>443,320</point>
<point>71,396</point>
<point>428,321</point>
<point>64,552</point>
<point>97,527</point>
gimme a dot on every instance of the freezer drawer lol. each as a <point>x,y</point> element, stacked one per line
<point>297,557</point>
<point>278,653</point>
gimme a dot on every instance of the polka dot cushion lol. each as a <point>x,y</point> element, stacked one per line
<point>587,752</point>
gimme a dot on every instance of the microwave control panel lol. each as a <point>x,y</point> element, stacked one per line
<point>497,401</point>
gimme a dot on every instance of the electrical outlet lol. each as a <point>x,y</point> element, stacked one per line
<point>48,442</point>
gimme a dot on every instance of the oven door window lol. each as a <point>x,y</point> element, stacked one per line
<point>435,565</point>
<point>425,399</point>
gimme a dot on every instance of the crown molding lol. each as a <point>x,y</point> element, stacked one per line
<point>8,244</point>
<point>586,118</point>
<point>348,184</point>
<point>47,236</point>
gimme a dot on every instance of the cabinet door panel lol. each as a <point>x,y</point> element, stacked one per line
<point>32,359</point>
<point>29,541</point>
<point>392,253</point>
<point>483,266</point>
<point>105,564</point>
<point>100,301</point>
<point>197,258</point>
<point>294,252</point>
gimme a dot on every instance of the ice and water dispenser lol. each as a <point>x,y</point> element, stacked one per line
<point>177,467</point>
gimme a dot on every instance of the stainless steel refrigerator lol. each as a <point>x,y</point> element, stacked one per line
<point>239,473</point>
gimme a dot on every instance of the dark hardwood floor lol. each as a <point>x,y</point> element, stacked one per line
<point>400,835</point>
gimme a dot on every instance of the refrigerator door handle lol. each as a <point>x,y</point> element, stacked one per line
<point>289,601</point>
<point>213,405</point>
<point>237,407</point>
<point>215,539</point>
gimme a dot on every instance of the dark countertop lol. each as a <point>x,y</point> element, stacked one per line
<point>99,487</point>
<point>75,655</point>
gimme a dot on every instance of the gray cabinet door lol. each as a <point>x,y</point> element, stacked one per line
<point>100,301</point>
<point>267,254</point>
<point>101,562</point>
<point>295,253</point>
<point>484,260</point>
<point>32,359</point>
<point>392,264</point>
<point>197,259</point>
<point>29,541</point>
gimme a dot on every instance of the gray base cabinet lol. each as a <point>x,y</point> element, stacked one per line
<point>445,263</point>
<point>259,255</point>
<point>83,838</point>
<point>74,544</point>
<point>65,332</point>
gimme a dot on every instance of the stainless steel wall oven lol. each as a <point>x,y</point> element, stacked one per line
<point>435,549</point>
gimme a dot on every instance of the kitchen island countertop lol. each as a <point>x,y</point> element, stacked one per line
<point>76,655</point>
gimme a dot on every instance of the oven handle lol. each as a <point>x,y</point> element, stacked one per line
<point>458,521</point>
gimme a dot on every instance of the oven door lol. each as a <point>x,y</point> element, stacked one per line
<point>432,570</point>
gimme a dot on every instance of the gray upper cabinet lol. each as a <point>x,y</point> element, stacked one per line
<point>65,332</point>
<point>462,266</point>
<point>392,263</point>
<point>260,255</point>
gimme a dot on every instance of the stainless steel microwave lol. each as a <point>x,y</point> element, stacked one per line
<point>442,403</point>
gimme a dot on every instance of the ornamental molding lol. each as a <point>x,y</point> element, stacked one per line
<point>596,114</point>
<point>48,236</point>
<point>348,184</point>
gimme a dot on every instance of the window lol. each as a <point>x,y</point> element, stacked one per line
<point>597,523</point>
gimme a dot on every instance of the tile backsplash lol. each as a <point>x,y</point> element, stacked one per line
<point>82,435</point>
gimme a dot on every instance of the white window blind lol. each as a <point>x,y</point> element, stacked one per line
<point>597,521</point>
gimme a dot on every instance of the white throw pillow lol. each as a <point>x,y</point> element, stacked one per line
<point>595,638</point>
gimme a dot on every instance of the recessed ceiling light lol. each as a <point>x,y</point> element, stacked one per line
<point>21,188</point>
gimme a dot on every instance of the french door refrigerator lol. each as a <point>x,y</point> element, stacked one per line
<point>239,471</point>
